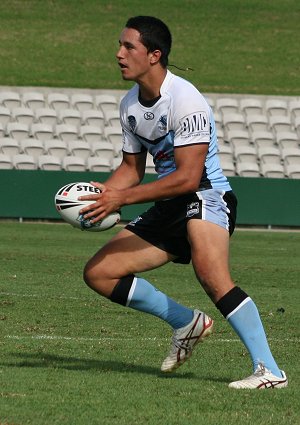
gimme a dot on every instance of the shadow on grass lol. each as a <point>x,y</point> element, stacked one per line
<point>44,360</point>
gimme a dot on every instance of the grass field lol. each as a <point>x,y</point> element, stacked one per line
<point>70,357</point>
<point>233,46</point>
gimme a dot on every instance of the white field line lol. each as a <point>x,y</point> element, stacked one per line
<point>102,339</point>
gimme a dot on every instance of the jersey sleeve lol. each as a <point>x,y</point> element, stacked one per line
<point>191,115</point>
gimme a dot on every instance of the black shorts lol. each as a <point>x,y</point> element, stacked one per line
<point>165,224</point>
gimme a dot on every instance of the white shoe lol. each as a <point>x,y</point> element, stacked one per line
<point>261,379</point>
<point>185,339</point>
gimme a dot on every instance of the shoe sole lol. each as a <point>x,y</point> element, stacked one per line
<point>207,330</point>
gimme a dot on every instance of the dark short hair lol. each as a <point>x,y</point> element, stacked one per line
<point>155,35</point>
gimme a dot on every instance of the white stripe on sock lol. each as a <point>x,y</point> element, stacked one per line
<point>132,289</point>
<point>238,307</point>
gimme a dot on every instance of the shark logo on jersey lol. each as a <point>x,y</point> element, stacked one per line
<point>195,124</point>
<point>132,123</point>
<point>162,123</point>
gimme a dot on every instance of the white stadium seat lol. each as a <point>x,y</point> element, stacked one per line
<point>73,163</point>
<point>46,116</point>
<point>34,100</point>
<point>276,107</point>
<point>227,106</point>
<point>292,171</point>
<point>234,121</point>
<point>269,155</point>
<point>9,146</point>
<point>23,114</point>
<point>70,116</point>
<point>79,148</point>
<point>5,162</point>
<point>49,162</point>
<point>56,147</point>
<point>263,138</point>
<point>251,106</point>
<point>10,99</point>
<point>42,131</point>
<point>272,170</point>
<point>280,123</point>
<point>66,132</point>
<point>18,130</point>
<point>248,169</point>
<point>257,122</point>
<point>105,102</point>
<point>103,149</point>
<point>90,133</point>
<point>98,164</point>
<point>114,135</point>
<point>33,147</point>
<point>58,101</point>
<point>245,153</point>
<point>93,117</point>
<point>82,101</point>
<point>287,139</point>
<point>112,117</point>
<point>24,162</point>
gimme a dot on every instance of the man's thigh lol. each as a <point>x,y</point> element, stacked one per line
<point>127,253</point>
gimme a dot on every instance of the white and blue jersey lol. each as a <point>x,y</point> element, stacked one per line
<point>180,117</point>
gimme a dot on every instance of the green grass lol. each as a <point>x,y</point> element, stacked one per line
<point>69,356</point>
<point>233,46</point>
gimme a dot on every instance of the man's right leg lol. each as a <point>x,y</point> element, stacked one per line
<point>111,273</point>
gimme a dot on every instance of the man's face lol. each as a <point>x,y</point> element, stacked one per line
<point>132,56</point>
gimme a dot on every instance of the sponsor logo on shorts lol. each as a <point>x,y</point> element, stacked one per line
<point>193,209</point>
<point>136,220</point>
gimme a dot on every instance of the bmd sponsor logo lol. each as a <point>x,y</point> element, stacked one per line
<point>194,124</point>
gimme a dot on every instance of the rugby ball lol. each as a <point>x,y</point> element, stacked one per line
<point>68,206</point>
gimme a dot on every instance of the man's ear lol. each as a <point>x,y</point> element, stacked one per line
<point>155,57</point>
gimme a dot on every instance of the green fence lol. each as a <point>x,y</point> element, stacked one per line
<point>262,202</point>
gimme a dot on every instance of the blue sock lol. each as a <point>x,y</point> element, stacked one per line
<point>145,297</point>
<point>246,322</point>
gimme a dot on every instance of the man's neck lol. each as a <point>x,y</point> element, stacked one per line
<point>150,86</point>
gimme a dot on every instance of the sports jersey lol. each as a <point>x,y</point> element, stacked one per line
<point>180,117</point>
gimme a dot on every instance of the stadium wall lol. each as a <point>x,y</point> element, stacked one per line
<point>27,194</point>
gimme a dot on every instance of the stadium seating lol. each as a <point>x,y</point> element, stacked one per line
<point>256,134</point>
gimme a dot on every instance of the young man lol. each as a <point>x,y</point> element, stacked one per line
<point>194,211</point>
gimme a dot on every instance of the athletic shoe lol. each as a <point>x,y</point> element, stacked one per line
<point>261,379</point>
<point>185,339</point>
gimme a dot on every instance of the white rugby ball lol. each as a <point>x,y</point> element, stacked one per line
<point>68,206</point>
